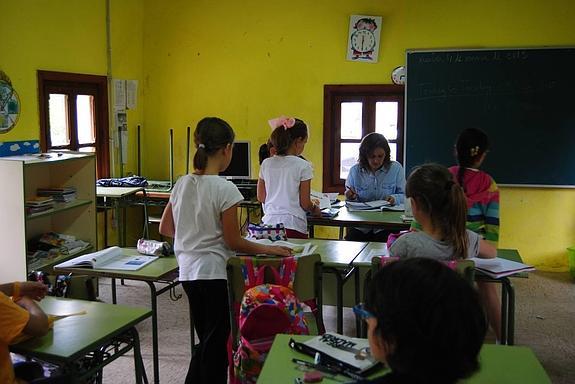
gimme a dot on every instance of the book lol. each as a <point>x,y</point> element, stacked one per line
<point>327,213</point>
<point>396,207</point>
<point>498,267</point>
<point>109,258</point>
<point>353,353</point>
<point>366,206</point>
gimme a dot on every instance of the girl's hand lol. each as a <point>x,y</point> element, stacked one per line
<point>279,251</point>
<point>316,211</point>
<point>350,193</point>
<point>390,199</point>
<point>33,289</point>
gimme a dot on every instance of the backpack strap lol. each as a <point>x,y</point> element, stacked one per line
<point>288,268</point>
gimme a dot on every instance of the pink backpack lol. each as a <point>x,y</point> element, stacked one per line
<point>265,310</point>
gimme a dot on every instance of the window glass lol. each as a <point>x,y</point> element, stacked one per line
<point>393,151</point>
<point>349,154</point>
<point>85,119</point>
<point>58,115</point>
<point>386,119</point>
<point>351,118</point>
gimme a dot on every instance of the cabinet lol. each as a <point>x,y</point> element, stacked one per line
<point>20,177</point>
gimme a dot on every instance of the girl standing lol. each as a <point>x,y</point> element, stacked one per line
<point>201,216</point>
<point>440,207</point>
<point>284,182</point>
<point>374,177</point>
<point>480,189</point>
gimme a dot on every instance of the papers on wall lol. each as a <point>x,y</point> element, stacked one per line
<point>298,249</point>
<point>375,205</point>
<point>499,267</point>
<point>109,258</point>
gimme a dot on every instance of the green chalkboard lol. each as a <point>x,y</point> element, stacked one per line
<point>523,98</point>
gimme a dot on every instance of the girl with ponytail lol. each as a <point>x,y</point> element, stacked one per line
<point>439,206</point>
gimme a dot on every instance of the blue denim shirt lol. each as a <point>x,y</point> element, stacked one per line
<point>379,185</point>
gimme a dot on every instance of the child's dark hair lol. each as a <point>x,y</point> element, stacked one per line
<point>370,143</point>
<point>211,135</point>
<point>430,317</point>
<point>282,138</point>
<point>264,151</point>
<point>435,193</point>
<point>471,144</point>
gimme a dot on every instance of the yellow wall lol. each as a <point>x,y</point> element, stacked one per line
<point>247,61</point>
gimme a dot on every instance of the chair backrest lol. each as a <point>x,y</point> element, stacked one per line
<point>307,285</point>
<point>465,268</point>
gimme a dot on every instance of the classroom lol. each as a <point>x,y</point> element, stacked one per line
<point>247,62</point>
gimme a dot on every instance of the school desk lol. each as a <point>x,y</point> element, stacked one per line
<point>390,220</point>
<point>499,364</point>
<point>162,270</point>
<point>337,257</point>
<point>118,198</point>
<point>83,344</point>
<point>507,290</point>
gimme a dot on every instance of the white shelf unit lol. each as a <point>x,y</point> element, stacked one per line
<point>21,177</point>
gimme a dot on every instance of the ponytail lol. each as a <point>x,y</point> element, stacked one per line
<point>211,134</point>
<point>283,136</point>
<point>471,144</point>
<point>436,194</point>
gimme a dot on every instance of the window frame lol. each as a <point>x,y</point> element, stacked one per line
<point>74,84</point>
<point>334,95</point>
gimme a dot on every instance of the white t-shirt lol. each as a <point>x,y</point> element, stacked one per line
<point>282,176</point>
<point>197,204</point>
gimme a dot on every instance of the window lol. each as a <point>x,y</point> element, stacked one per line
<point>350,113</point>
<point>74,115</point>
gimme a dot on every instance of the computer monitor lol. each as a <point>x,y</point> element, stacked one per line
<point>241,165</point>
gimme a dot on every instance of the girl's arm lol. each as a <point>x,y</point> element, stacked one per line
<point>167,227</point>
<point>234,240</point>
<point>486,250</point>
<point>261,192</point>
<point>305,198</point>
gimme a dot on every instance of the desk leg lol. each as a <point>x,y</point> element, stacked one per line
<point>154,299</point>
<point>114,301</point>
<point>105,223</point>
<point>341,233</point>
<point>504,311</point>
<point>357,300</point>
<point>139,368</point>
<point>510,311</point>
<point>311,231</point>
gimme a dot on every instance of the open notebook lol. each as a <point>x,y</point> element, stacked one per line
<point>109,258</point>
<point>499,267</point>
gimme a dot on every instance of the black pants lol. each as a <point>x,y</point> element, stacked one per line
<point>210,310</point>
<point>354,234</point>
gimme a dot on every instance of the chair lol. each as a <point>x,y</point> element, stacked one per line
<point>307,287</point>
<point>465,268</point>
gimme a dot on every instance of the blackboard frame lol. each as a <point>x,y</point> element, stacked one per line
<point>514,88</point>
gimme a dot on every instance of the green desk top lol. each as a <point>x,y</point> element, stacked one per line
<point>334,253</point>
<point>74,336</point>
<point>378,219</point>
<point>154,271</point>
<point>499,364</point>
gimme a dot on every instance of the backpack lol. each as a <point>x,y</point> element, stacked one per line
<point>265,310</point>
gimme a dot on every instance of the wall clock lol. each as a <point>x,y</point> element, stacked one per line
<point>363,38</point>
<point>398,75</point>
<point>9,104</point>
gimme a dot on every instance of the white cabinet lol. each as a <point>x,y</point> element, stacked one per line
<point>20,178</point>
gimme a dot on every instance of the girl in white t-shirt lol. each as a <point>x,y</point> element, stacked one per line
<point>285,179</point>
<point>201,216</point>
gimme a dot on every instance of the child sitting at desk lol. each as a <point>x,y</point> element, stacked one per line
<point>439,206</point>
<point>19,314</point>
<point>425,322</point>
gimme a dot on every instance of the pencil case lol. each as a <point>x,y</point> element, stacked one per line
<point>154,248</point>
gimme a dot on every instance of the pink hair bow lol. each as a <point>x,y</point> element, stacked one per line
<point>286,122</point>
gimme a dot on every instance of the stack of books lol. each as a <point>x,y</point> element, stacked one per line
<point>498,267</point>
<point>62,195</point>
<point>39,204</point>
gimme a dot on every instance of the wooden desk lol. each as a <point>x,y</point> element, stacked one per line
<point>499,364</point>
<point>507,290</point>
<point>390,220</point>
<point>119,198</point>
<point>162,270</point>
<point>337,257</point>
<point>92,340</point>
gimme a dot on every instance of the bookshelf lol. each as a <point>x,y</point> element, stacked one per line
<point>21,177</point>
